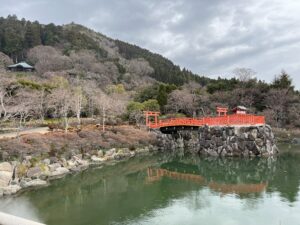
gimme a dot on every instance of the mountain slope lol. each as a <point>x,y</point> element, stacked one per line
<point>17,37</point>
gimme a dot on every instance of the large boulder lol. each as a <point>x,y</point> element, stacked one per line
<point>6,173</point>
<point>6,166</point>
<point>54,166</point>
<point>11,189</point>
<point>33,183</point>
<point>58,173</point>
<point>5,178</point>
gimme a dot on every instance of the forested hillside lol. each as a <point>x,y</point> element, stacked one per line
<point>18,36</point>
<point>82,73</point>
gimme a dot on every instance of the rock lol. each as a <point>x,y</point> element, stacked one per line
<point>259,142</point>
<point>6,166</point>
<point>132,154</point>
<point>296,141</point>
<point>63,162</point>
<point>84,163</point>
<point>28,158</point>
<point>71,164</point>
<point>108,158</point>
<point>44,176</point>
<point>100,154</point>
<point>97,159</point>
<point>11,189</point>
<point>33,183</point>
<point>58,173</point>
<point>53,160</point>
<point>54,166</point>
<point>34,172</point>
<point>254,133</point>
<point>275,150</point>
<point>142,150</point>
<point>26,163</point>
<point>110,152</point>
<point>5,156</point>
<point>233,139</point>
<point>5,178</point>
<point>77,157</point>
<point>46,161</point>
<point>269,147</point>
<point>75,169</point>
<point>14,182</point>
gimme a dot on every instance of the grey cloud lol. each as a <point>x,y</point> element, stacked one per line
<point>209,37</point>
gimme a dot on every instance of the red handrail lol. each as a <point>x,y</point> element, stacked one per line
<point>235,119</point>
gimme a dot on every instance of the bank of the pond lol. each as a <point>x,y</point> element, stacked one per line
<point>34,173</point>
<point>290,136</point>
<point>32,161</point>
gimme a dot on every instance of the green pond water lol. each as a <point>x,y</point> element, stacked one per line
<point>165,189</point>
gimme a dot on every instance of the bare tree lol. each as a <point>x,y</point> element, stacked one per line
<point>7,87</point>
<point>181,101</point>
<point>139,66</point>
<point>61,101</point>
<point>83,60</point>
<point>79,100</point>
<point>47,58</point>
<point>23,107</point>
<point>4,62</point>
<point>244,74</point>
<point>276,103</point>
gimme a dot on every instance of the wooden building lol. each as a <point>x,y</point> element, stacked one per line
<point>240,110</point>
<point>21,67</point>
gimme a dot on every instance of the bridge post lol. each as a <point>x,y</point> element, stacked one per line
<point>147,119</point>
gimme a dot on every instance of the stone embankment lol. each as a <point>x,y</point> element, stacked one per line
<point>223,141</point>
<point>34,172</point>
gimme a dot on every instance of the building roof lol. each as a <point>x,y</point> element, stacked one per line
<point>240,107</point>
<point>21,64</point>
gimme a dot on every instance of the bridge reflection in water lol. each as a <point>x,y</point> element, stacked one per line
<point>156,174</point>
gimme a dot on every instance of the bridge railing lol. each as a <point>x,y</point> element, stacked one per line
<point>235,119</point>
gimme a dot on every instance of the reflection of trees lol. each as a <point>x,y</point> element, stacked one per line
<point>286,180</point>
<point>237,175</point>
<point>119,192</point>
<point>237,188</point>
<point>112,193</point>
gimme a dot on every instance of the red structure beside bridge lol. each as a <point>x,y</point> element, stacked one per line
<point>221,120</point>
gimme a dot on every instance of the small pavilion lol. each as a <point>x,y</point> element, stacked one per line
<point>240,110</point>
<point>21,67</point>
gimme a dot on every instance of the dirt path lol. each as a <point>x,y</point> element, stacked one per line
<point>39,130</point>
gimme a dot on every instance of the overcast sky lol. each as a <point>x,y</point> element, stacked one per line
<point>209,37</point>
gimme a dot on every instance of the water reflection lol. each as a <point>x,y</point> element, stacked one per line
<point>174,190</point>
<point>156,174</point>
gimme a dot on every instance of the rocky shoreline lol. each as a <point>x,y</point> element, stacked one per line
<point>31,173</point>
<point>238,141</point>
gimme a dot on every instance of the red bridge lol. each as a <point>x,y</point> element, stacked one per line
<point>239,118</point>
